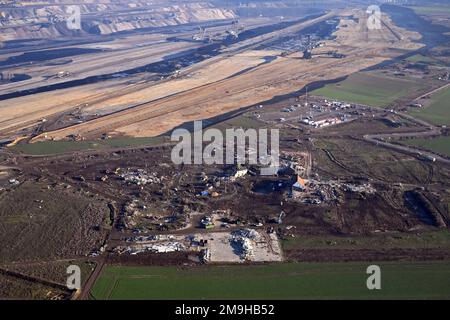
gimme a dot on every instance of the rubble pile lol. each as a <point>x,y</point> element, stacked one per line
<point>243,241</point>
<point>297,161</point>
<point>131,212</point>
<point>318,192</point>
<point>162,247</point>
<point>141,216</point>
<point>365,188</point>
<point>139,177</point>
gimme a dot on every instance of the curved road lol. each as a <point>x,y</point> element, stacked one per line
<point>430,131</point>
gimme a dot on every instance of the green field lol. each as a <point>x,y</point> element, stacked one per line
<point>439,145</point>
<point>360,158</point>
<point>401,280</point>
<point>369,89</point>
<point>429,239</point>
<point>426,10</point>
<point>418,58</point>
<point>438,112</point>
<point>59,147</point>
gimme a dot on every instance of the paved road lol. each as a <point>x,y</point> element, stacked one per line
<point>406,149</point>
<point>430,131</point>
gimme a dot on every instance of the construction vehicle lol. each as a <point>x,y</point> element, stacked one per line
<point>200,36</point>
<point>16,141</point>
<point>235,30</point>
<point>280,217</point>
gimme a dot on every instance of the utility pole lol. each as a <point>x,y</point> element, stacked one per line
<point>306,103</point>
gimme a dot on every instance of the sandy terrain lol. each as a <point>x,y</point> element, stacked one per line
<point>95,64</point>
<point>209,89</point>
<point>120,54</point>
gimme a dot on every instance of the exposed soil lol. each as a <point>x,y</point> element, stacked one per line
<point>335,255</point>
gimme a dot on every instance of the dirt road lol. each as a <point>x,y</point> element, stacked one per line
<point>85,293</point>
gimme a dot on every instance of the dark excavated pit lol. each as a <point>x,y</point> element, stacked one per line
<point>15,77</point>
<point>271,186</point>
<point>418,208</point>
<point>45,55</point>
<point>421,206</point>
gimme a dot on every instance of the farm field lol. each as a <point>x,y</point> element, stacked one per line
<point>29,211</point>
<point>58,147</point>
<point>400,280</point>
<point>431,239</point>
<point>441,9</point>
<point>439,145</point>
<point>43,148</point>
<point>355,157</point>
<point>44,279</point>
<point>438,111</point>
<point>369,89</point>
<point>418,58</point>
<point>12,287</point>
